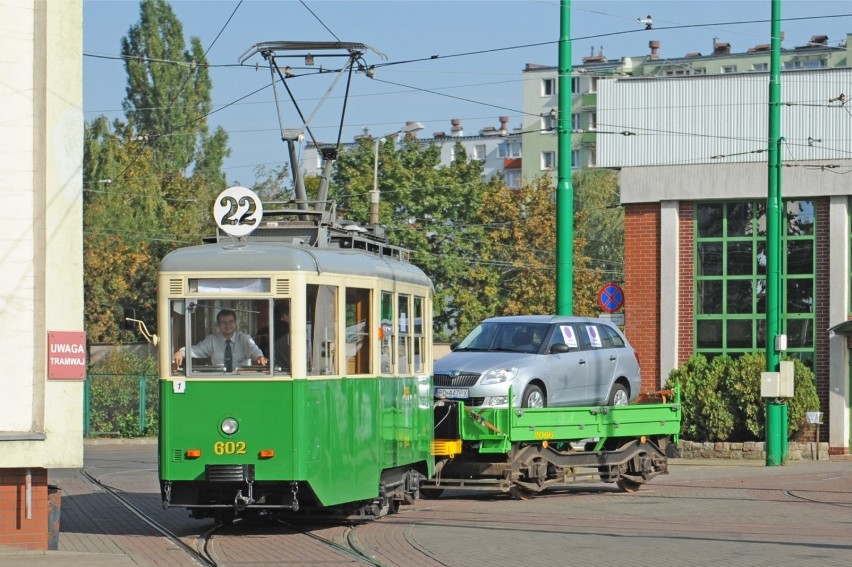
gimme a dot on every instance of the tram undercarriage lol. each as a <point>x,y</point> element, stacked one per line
<point>227,494</point>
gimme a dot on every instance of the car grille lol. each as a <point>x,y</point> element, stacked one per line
<point>462,379</point>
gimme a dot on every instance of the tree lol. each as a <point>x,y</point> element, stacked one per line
<point>515,270</point>
<point>168,93</point>
<point>120,225</point>
<point>151,178</point>
<point>426,207</point>
<point>600,222</point>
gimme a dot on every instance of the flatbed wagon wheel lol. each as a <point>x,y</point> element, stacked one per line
<point>520,493</point>
<point>628,485</point>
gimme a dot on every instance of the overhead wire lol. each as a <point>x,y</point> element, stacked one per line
<point>469,53</point>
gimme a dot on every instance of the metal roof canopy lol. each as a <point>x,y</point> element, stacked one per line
<point>844,328</point>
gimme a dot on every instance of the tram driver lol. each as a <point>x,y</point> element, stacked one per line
<point>227,347</point>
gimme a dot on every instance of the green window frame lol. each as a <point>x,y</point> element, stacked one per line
<point>730,278</point>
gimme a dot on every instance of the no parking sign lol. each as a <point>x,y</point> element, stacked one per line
<point>611,297</point>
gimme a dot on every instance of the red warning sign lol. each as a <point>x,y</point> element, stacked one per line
<point>66,355</point>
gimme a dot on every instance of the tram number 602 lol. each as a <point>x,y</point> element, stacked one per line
<point>229,447</point>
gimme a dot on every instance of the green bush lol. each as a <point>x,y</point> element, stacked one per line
<point>114,387</point>
<point>721,399</point>
<point>710,418</point>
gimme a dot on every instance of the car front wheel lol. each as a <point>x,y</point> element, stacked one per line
<point>618,396</point>
<point>533,397</point>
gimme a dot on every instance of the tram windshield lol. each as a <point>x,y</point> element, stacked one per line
<point>230,336</point>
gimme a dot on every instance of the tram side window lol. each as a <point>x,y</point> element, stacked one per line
<point>419,336</point>
<point>404,341</point>
<point>177,331</point>
<point>321,319</point>
<point>387,332</point>
<point>358,327</point>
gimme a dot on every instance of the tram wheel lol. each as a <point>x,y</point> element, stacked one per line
<point>628,485</point>
<point>520,493</point>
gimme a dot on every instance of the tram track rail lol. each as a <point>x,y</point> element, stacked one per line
<point>209,548</point>
<point>200,557</point>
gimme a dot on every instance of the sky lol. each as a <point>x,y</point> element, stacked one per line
<point>482,48</point>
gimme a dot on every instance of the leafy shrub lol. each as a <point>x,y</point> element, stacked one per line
<point>706,411</point>
<point>114,388</point>
<point>721,399</point>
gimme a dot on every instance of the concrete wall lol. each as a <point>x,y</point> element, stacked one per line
<point>41,154</point>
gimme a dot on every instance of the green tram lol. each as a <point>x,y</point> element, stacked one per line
<point>323,398</point>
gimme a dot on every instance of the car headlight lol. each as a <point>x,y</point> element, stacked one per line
<point>498,376</point>
<point>230,426</point>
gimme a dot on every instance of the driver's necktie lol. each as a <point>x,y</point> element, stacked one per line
<point>229,357</point>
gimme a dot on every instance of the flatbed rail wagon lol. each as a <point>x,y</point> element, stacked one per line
<point>524,451</point>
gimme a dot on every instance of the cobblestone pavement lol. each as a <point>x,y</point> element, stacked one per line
<point>703,512</point>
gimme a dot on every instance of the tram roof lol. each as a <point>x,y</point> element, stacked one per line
<point>254,256</point>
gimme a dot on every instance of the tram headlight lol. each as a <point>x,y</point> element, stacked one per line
<point>230,426</point>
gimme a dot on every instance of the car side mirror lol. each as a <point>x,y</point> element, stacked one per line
<point>559,348</point>
<point>454,345</point>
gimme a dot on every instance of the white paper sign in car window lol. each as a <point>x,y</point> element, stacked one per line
<point>594,336</point>
<point>568,336</point>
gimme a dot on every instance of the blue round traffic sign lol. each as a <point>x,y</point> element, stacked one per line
<point>611,297</point>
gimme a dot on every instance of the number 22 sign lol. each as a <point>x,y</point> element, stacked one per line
<point>237,211</point>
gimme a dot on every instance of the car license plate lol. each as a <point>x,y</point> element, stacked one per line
<point>451,393</point>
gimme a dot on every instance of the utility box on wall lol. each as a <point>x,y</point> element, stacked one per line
<point>778,384</point>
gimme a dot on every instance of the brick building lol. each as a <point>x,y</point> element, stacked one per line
<point>694,184</point>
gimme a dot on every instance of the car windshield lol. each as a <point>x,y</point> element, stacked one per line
<point>505,337</point>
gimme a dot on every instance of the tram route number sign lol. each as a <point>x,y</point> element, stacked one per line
<point>238,211</point>
<point>611,297</point>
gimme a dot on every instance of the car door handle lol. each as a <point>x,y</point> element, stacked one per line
<point>612,358</point>
<point>582,361</point>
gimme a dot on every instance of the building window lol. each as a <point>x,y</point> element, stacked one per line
<point>729,68</point>
<point>548,124</point>
<point>479,152</point>
<point>730,278</point>
<point>593,157</point>
<point>575,159</point>
<point>513,178</point>
<point>806,64</point>
<point>593,84</point>
<point>575,121</point>
<point>593,121</point>
<point>575,85</point>
<point>548,87</point>
<point>509,149</point>
<point>760,67</point>
<point>548,160</point>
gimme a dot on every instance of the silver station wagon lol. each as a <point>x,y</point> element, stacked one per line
<point>547,360</point>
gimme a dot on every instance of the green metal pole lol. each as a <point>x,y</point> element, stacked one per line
<point>776,419</point>
<point>564,188</point>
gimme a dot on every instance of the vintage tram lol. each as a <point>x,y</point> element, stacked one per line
<point>323,401</point>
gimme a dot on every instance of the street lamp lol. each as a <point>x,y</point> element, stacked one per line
<point>374,194</point>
